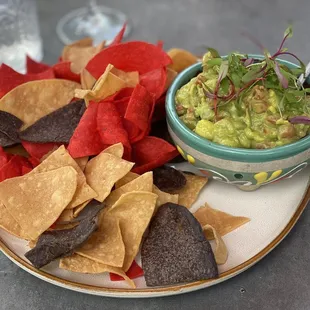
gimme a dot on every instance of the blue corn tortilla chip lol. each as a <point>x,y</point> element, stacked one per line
<point>9,127</point>
<point>168,179</point>
<point>57,126</point>
<point>90,210</point>
<point>176,250</point>
<point>59,243</point>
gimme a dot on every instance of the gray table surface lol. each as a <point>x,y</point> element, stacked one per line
<point>279,281</point>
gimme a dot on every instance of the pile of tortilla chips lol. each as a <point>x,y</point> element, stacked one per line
<point>77,132</point>
<point>58,189</point>
<point>123,88</point>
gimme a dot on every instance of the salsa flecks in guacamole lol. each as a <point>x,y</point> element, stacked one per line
<point>245,103</point>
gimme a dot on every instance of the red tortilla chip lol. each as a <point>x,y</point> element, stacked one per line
<point>155,81</point>
<point>85,140</point>
<point>160,44</point>
<point>35,67</point>
<point>159,109</point>
<point>14,167</point>
<point>150,153</point>
<point>110,127</point>
<point>135,271</point>
<point>4,157</point>
<point>121,94</point>
<point>38,150</point>
<point>62,70</point>
<point>26,169</point>
<point>130,56</point>
<point>119,37</point>
<point>9,78</point>
<point>34,161</point>
<point>139,113</point>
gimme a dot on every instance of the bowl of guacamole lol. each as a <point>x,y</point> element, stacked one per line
<point>242,119</point>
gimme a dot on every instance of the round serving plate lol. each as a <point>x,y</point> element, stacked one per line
<point>273,210</point>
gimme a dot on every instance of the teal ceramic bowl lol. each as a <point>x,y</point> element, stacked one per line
<point>246,168</point>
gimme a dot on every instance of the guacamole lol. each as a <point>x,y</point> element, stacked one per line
<point>245,103</point>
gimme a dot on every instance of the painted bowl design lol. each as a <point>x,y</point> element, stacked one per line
<point>246,168</point>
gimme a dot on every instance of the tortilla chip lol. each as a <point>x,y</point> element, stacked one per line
<point>142,183</point>
<point>8,223</point>
<point>181,59</point>
<point>61,158</point>
<point>17,150</point>
<point>106,245</point>
<point>107,85</point>
<point>87,80</point>
<point>103,171</point>
<point>164,197</point>
<point>189,193</point>
<point>134,211</point>
<point>35,201</point>
<point>82,161</point>
<point>33,100</point>
<point>80,52</point>
<point>56,127</point>
<point>78,263</point>
<point>65,216</point>
<point>130,176</point>
<point>9,129</point>
<point>79,208</point>
<point>131,78</point>
<point>171,75</point>
<point>115,149</point>
<point>220,251</point>
<point>222,222</point>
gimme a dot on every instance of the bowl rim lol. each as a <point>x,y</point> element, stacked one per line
<point>218,150</point>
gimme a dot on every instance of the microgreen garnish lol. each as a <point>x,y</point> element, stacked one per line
<point>239,73</point>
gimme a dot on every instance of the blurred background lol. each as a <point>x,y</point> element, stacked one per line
<point>189,24</point>
<point>192,24</point>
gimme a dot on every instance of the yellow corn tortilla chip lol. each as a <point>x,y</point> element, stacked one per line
<point>103,171</point>
<point>87,80</point>
<point>171,75</point>
<point>82,161</point>
<point>79,208</point>
<point>107,85</point>
<point>106,245</point>
<point>220,251</point>
<point>115,149</point>
<point>8,223</point>
<point>130,176</point>
<point>33,100</point>
<point>80,52</point>
<point>134,211</point>
<point>78,263</point>
<point>131,78</point>
<point>222,222</point>
<point>181,59</point>
<point>35,201</point>
<point>164,197</point>
<point>61,158</point>
<point>189,193</point>
<point>65,216</point>
<point>142,183</point>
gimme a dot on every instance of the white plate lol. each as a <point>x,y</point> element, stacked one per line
<point>273,209</point>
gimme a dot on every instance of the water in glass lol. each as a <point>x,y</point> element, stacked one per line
<point>20,34</point>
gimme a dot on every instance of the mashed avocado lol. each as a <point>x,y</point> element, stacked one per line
<point>241,103</point>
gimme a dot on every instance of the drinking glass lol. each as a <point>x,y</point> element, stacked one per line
<point>95,21</point>
<point>20,34</point>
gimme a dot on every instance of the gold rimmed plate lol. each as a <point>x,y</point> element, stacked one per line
<point>273,210</point>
